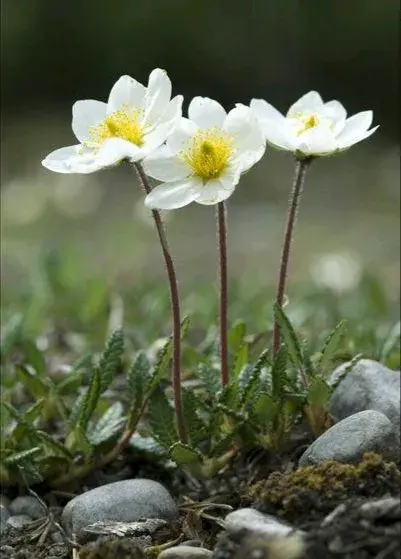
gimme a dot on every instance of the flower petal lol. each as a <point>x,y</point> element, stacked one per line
<point>126,91</point>
<point>249,141</point>
<point>214,192</point>
<point>335,112</point>
<point>206,113</point>
<point>166,125</point>
<point>157,96</point>
<point>117,149</point>
<point>231,177</point>
<point>358,137</point>
<point>163,166</point>
<point>317,141</point>
<point>310,102</point>
<point>182,135</point>
<point>85,115</point>
<point>71,159</point>
<point>174,195</point>
<point>266,113</point>
<point>354,126</point>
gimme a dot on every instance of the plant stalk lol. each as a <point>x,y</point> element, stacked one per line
<point>299,179</point>
<point>175,307</point>
<point>221,218</point>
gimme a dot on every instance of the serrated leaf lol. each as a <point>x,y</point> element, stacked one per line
<point>55,447</point>
<point>22,456</point>
<point>108,425</point>
<point>110,359</point>
<point>264,410</point>
<point>229,396</point>
<point>137,380</point>
<point>183,454</point>
<point>195,428</point>
<point>279,372</point>
<point>161,419</point>
<point>210,379</point>
<point>241,360</point>
<point>160,367</point>
<point>81,442</point>
<point>253,378</point>
<point>289,337</point>
<point>330,347</point>
<point>89,401</point>
<point>28,417</point>
<point>346,370</point>
<point>318,392</point>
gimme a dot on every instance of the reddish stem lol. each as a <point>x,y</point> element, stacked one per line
<point>221,215</point>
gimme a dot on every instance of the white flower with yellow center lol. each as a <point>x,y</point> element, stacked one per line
<point>205,156</point>
<point>134,122</point>
<point>312,127</point>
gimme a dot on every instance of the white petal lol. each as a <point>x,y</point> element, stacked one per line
<point>310,102</point>
<point>165,126</point>
<point>231,177</point>
<point>243,125</point>
<point>266,112</point>
<point>358,137</point>
<point>279,135</point>
<point>157,96</point>
<point>85,115</point>
<point>174,195</point>
<point>126,91</point>
<point>206,113</point>
<point>71,159</point>
<point>163,166</point>
<point>213,192</point>
<point>354,126</point>
<point>335,112</point>
<point>117,149</point>
<point>317,141</point>
<point>182,134</point>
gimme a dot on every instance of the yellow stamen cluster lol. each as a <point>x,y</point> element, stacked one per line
<point>208,153</point>
<point>124,123</point>
<point>307,123</point>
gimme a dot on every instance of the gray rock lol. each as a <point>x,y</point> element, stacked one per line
<point>348,440</point>
<point>192,543</point>
<point>255,521</point>
<point>27,505</point>
<point>4,516</point>
<point>18,521</point>
<point>122,501</point>
<point>368,386</point>
<point>185,552</point>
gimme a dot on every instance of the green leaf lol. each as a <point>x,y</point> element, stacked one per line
<point>241,360</point>
<point>38,387</point>
<point>346,370</point>
<point>264,410</point>
<point>196,429</point>
<point>251,379</point>
<point>54,447</point>
<point>183,454</point>
<point>137,380</point>
<point>160,367</point>
<point>11,334</point>
<point>111,359</point>
<point>331,345</point>
<point>289,337</point>
<point>318,392</point>
<point>22,456</point>
<point>236,337</point>
<point>161,419</point>
<point>392,342</point>
<point>108,426</point>
<point>89,401</point>
<point>279,372</point>
<point>81,443</point>
<point>210,378</point>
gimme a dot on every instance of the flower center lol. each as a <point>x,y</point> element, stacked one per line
<point>208,153</point>
<point>305,123</point>
<point>124,123</point>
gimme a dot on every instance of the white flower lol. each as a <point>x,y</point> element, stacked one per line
<point>205,156</point>
<point>312,127</point>
<point>134,122</point>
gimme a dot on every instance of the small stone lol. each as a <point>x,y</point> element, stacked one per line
<point>192,543</point>
<point>18,521</point>
<point>368,386</point>
<point>4,516</point>
<point>122,501</point>
<point>255,521</point>
<point>27,505</point>
<point>348,440</point>
<point>185,552</point>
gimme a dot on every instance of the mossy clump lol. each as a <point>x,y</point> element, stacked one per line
<point>111,548</point>
<point>313,491</point>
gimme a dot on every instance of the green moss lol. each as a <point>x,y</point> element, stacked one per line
<point>111,548</point>
<point>315,490</point>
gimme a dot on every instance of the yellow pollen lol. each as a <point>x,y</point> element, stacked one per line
<point>208,153</point>
<point>124,123</point>
<point>307,123</point>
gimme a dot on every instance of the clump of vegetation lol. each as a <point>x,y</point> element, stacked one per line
<point>316,490</point>
<point>111,548</point>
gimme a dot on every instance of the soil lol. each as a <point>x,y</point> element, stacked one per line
<point>245,482</point>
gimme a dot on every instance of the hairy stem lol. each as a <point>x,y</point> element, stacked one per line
<point>221,214</point>
<point>175,307</point>
<point>299,179</point>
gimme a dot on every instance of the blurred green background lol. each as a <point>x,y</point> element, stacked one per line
<point>54,53</point>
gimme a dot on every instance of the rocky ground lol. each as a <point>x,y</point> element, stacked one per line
<point>333,497</point>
